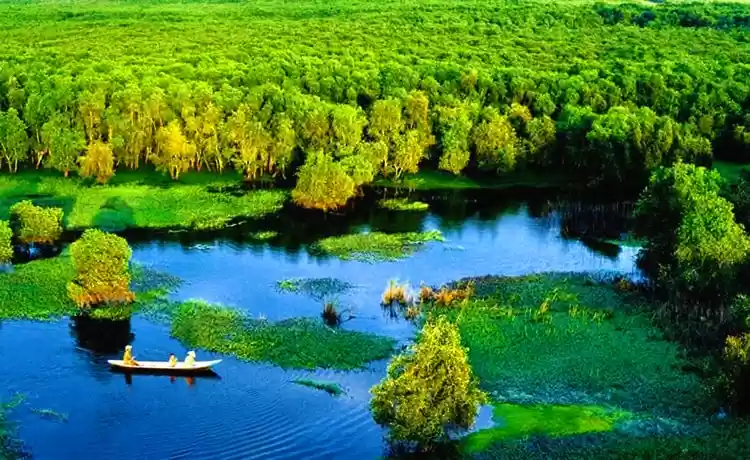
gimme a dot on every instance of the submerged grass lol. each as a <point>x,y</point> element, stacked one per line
<point>296,343</point>
<point>519,421</point>
<point>10,447</point>
<point>375,246</point>
<point>331,388</point>
<point>50,414</point>
<point>403,204</point>
<point>141,200</point>
<point>566,339</point>
<point>317,288</point>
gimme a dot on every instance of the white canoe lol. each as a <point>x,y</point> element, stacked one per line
<point>164,366</point>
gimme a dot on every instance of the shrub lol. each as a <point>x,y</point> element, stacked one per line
<point>101,261</point>
<point>736,376</point>
<point>6,246</point>
<point>429,391</point>
<point>35,224</point>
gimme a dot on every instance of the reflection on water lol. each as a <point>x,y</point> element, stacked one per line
<point>254,410</point>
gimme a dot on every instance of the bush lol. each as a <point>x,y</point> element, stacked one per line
<point>736,376</point>
<point>6,237</point>
<point>35,224</point>
<point>429,391</point>
<point>101,261</point>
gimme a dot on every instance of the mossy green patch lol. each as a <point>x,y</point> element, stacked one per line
<point>568,339</point>
<point>518,421</point>
<point>138,203</point>
<point>264,235</point>
<point>731,172</point>
<point>441,180</point>
<point>317,288</point>
<point>295,343</point>
<point>403,204</point>
<point>375,246</point>
<point>331,388</point>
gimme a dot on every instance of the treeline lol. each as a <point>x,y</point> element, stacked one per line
<point>588,97</point>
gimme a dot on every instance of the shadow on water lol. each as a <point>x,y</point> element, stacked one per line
<point>190,380</point>
<point>101,336</point>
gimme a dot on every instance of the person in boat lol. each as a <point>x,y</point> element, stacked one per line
<point>190,360</point>
<point>172,360</point>
<point>127,357</point>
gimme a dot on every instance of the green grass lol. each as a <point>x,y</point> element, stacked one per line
<point>317,288</point>
<point>198,201</point>
<point>403,204</point>
<point>519,421</point>
<point>441,180</point>
<point>375,246</point>
<point>295,343</point>
<point>732,172</point>
<point>264,235</point>
<point>593,346</point>
<point>331,388</point>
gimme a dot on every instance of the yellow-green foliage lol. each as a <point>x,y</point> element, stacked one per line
<point>403,204</point>
<point>323,183</point>
<point>736,376</point>
<point>395,292</point>
<point>517,421</point>
<point>35,224</point>
<point>37,290</point>
<point>430,390</point>
<point>375,246</point>
<point>101,261</point>
<point>6,242</point>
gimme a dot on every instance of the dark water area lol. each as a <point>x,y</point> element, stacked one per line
<point>253,410</point>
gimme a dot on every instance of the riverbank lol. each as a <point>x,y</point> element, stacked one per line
<point>147,200</point>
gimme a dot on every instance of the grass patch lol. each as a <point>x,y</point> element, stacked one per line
<point>264,235</point>
<point>317,288</point>
<point>441,180</point>
<point>296,343</point>
<point>135,201</point>
<point>403,204</point>
<point>565,339</point>
<point>519,421</point>
<point>375,246</point>
<point>732,172</point>
<point>331,388</point>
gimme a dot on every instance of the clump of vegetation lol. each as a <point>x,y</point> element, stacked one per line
<point>35,224</point>
<point>332,316</point>
<point>10,447</point>
<point>101,261</point>
<point>430,391</point>
<point>396,293</point>
<point>520,421</point>
<point>264,235</point>
<point>403,204</point>
<point>331,388</point>
<point>37,290</point>
<point>51,415</point>
<point>6,242</point>
<point>447,295</point>
<point>296,343</point>
<point>375,246</point>
<point>318,288</point>
<point>735,376</point>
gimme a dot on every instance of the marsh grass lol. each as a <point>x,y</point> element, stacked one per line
<point>520,421</point>
<point>332,388</point>
<point>403,204</point>
<point>375,247</point>
<point>264,235</point>
<point>594,346</point>
<point>318,288</point>
<point>397,293</point>
<point>140,201</point>
<point>296,343</point>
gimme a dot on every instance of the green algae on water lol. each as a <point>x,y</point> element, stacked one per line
<point>403,204</point>
<point>331,388</point>
<point>375,246</point>
<point>317,288</point>
<point>301,343</point>
<point>518,421</point>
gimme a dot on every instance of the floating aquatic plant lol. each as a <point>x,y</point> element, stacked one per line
<point>375,246</point>
<point>331,388</point>
<point>318,288</point>
<point>403,204</point>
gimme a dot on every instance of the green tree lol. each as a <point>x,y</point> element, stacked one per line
<point>323,183</point>
<point>99,162</point>
<point>455,128</point>
<point>64,144</point>
<point>101,262</point>
<point>14,143</point>
<point>6,242</point>
<point>175,153</point>
<point>496,143</point>
<point>429,391</point>
<point>35,224</point>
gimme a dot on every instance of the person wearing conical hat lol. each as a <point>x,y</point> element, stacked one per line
<point>172,360</point>
<point>190,360</point>
<point>127,357</point>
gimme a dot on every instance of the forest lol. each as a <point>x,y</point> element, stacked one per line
<point>335,94</point>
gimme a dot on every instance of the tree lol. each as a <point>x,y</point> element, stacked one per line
<point>6,242</point>
<point>496,143</point>
<point>694,247</point>
<point>323,183</point>
<point>14,143</point>
<point>101,262</point>
<point>98,162</point>
<point>64,144</point>
<point>175,153</point>
<point>35,224</point>
<point>429,391</point>
<point>455,127</point>
<point>347,125</point>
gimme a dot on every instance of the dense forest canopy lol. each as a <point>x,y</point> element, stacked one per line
<point>360,89</point>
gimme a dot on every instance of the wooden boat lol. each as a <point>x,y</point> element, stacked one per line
<point>163,366</point>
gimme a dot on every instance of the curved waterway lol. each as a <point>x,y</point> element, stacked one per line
<point>254,410</point>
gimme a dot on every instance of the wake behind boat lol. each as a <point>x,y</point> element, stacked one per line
<point>197,366</point>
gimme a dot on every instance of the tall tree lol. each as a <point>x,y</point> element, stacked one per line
<point>14,143</point>
<point>175,154</point>
<point>99,162</point>
<point>63,143</point>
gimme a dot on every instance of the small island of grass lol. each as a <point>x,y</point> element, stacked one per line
<point>375,246</point>
<point>332,388</point>
<point>317,288</point>
<point>300,343</point>
<point>403,204</point>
